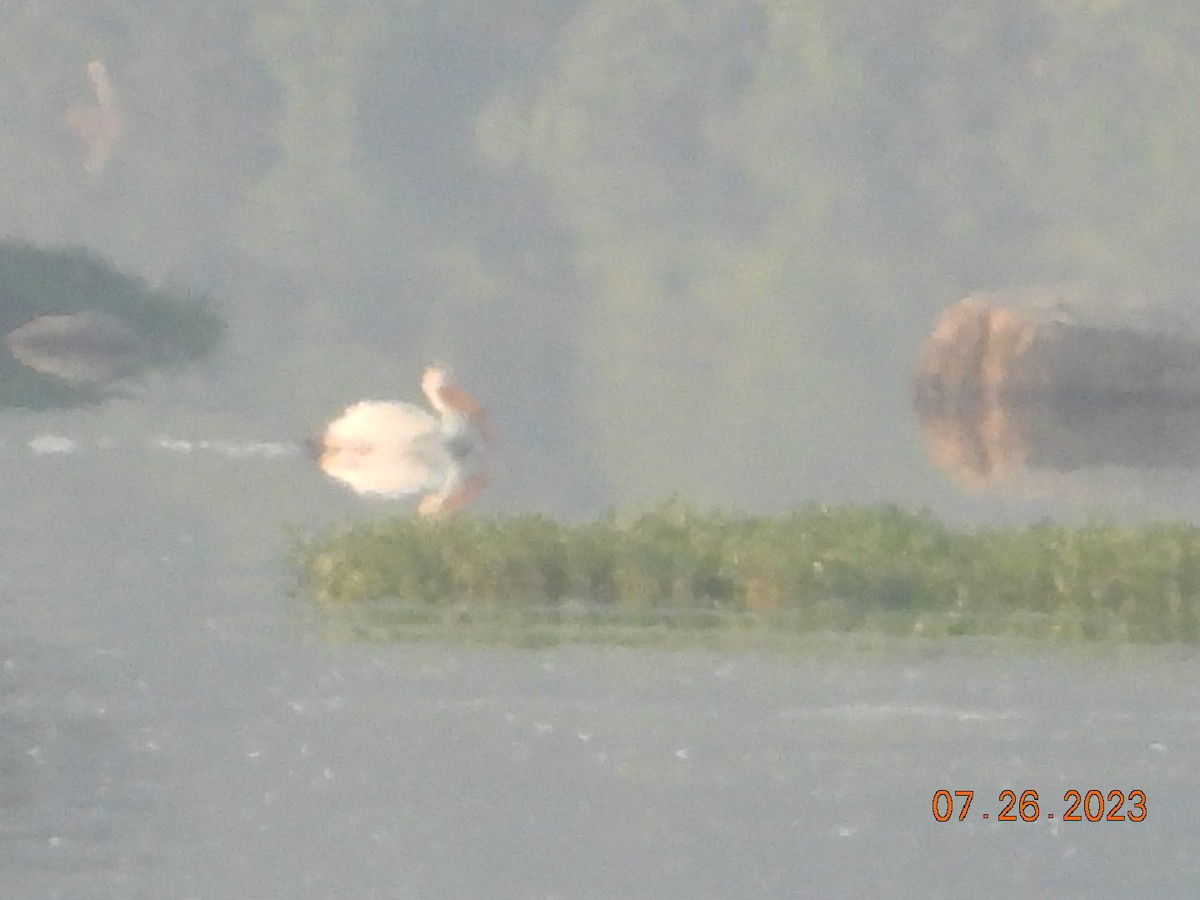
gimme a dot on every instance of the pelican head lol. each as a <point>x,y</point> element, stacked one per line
<point>450,401</point>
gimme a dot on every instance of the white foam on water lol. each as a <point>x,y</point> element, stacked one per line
<point>232,449</point>
<point>858,712</point>
<point>176,444</point>
<point>52,443</point>
<point>49,444</point>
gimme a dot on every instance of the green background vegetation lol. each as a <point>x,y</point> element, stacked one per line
<point>681,247</point>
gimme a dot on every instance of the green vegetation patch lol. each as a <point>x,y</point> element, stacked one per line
<point>676,575</point>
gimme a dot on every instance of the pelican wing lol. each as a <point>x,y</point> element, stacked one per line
<point>383,448</point>
<point>382,425</point>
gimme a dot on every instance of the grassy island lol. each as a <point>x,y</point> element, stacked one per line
<point>674,574</point>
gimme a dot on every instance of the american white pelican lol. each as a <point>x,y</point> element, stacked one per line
<point>397,449</point>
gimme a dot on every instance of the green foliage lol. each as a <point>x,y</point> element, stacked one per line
<point>847,569</point>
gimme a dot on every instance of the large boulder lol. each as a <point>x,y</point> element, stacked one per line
<point>1056,378</point>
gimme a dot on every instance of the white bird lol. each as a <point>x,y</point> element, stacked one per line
<point>397,449</point>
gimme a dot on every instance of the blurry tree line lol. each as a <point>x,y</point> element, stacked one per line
<point>698,240</point>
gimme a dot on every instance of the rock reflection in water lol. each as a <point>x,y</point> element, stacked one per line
<point>75,329</point>
<point>1049,379</point>
<point>87,347</point>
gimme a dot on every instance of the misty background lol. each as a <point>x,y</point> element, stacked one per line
<point>675,248</point>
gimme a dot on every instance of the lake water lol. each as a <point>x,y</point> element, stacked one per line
<point>173,725</point>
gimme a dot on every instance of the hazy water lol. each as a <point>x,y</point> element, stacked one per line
<point>170,726</point>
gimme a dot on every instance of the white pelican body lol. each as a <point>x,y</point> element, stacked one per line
<point>397,449</point>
